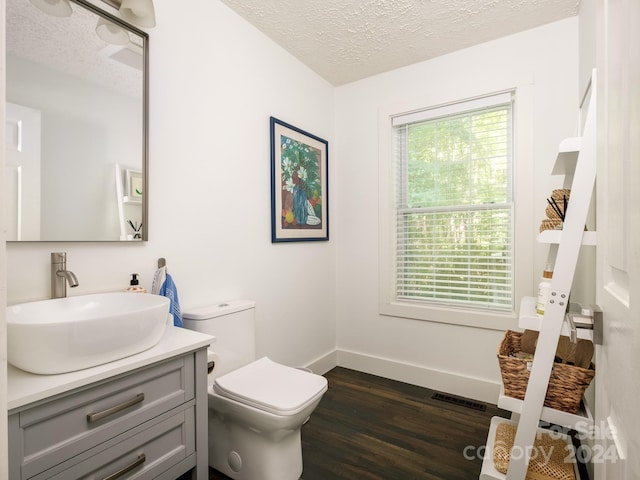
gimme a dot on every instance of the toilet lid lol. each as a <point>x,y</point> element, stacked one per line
<point>272,387</point>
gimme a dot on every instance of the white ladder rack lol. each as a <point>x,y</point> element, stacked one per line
<point>576,156</point>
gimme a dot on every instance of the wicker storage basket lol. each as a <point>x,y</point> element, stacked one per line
<point>560,194</point>
<point>552,214</point>
<point>551,224</point>
<point>547,458</point>
<point>566,386</point>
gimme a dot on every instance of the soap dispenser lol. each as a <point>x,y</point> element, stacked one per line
<point>134,286</point>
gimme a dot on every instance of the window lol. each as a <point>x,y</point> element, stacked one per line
<point>453,205</point>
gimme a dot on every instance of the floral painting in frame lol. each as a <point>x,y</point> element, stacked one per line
<point>299,184</point>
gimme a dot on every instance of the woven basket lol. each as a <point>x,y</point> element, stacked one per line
<point>559,194</point>
<point>551,224</point>
<point>547,457</point>
<point>552,214</point>
<point>566,386</point>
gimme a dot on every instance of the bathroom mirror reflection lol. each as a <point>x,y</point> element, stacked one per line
<point>76,129</point>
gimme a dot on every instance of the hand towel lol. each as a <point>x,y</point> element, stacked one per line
<point>169,290</point>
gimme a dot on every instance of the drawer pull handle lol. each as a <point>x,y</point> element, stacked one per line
<point>94,417</point>
<point>139,461</point>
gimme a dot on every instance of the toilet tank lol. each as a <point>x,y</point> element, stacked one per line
<point>233,326</point>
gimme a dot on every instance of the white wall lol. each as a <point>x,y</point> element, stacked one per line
<point>453,358</point>
<point>214,82</point>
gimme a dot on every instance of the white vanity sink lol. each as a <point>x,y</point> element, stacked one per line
<point>68,334</point>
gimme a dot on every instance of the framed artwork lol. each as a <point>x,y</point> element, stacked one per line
<point>299,185</point>
<point>134,185</point>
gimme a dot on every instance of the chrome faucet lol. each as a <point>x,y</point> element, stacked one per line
<point>60,275</point>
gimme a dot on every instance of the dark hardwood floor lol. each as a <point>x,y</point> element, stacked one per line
<point>372,428</point>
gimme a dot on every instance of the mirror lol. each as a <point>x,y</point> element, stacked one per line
<point>76,125</point>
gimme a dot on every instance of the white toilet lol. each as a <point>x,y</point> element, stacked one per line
<point>256,407</point>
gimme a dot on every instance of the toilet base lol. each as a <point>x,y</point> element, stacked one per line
<point>251,443</point>
<point>244,454</point>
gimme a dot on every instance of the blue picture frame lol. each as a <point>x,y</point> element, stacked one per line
<point>299,184</point>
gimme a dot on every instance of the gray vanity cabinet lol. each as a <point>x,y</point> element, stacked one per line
<point>146,423</point>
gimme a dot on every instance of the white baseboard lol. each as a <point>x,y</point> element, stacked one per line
<point>456,384</point>
<point>323,364</point>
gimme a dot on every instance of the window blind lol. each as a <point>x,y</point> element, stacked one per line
<point>454,204</point>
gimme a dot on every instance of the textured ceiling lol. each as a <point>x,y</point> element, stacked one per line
<point>70,45</point>
<point>346,40</point>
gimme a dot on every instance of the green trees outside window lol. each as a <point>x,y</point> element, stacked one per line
<point>454,209</point>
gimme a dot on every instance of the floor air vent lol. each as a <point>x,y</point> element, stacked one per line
<point>463,402</point>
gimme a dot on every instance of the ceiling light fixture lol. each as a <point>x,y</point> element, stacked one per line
<point>57,8</point>
<point>138,12</point>
<point>111,33</point>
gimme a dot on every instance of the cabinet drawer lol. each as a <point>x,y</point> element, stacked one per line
<point>70,425</point>
<point>144,455</point>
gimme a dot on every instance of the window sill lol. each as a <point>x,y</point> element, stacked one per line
<point>490,320</point>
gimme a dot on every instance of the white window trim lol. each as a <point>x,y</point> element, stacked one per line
<point>523,239</point>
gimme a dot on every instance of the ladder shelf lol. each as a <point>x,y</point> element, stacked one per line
<point>567,156</point>
<point>577,161</point>
<point>489,471</point>
<point>529,320</point>
<point>582,421</point>
<point>589,238</point>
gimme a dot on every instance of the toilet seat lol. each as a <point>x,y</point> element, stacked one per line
<point>272,387</point>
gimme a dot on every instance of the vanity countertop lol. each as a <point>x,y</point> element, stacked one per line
<point>24,388</point>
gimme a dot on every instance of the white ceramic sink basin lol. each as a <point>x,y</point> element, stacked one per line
<point>68,334</point>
